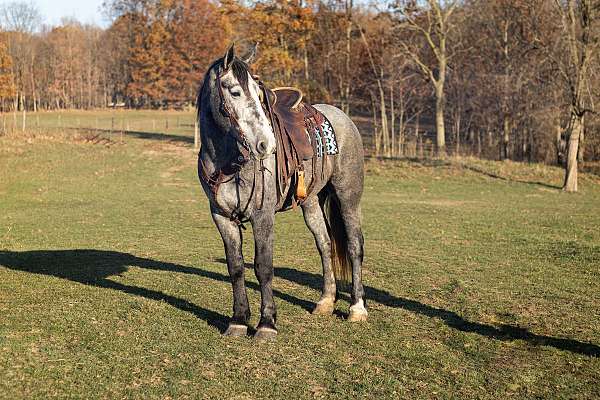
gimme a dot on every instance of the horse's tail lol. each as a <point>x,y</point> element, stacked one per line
<point>340,260</point>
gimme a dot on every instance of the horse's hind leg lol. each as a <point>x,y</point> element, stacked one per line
<point>313,216</point>
<point>232,239</point>
<point>350,210</point>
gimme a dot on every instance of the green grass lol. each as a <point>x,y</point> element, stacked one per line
<point>483,281</point>
<point>110,122</point>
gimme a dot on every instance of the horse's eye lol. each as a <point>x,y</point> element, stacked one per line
<point>236,94</point>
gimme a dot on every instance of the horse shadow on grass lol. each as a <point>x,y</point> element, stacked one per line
<point>94,267</point>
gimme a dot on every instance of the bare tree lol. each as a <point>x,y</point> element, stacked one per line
<point>580,37</point>
<point>434,26</point>
<point>20,16</point>
<point>22,19</point>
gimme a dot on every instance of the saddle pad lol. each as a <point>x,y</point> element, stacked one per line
<point>325,139</point>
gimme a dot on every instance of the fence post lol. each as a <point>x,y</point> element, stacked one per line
<point>196,135</point>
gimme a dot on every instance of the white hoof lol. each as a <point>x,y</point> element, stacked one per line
<point>264,334</point>
<point>358,312</point>
<point>235,330</point>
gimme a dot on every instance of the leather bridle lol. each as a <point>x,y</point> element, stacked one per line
<point>232,171</point>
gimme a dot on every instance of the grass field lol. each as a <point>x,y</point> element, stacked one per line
<point>108,122</point>
<point>483,281</point>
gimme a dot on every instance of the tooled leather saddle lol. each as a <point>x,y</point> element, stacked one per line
<point>293,122</point>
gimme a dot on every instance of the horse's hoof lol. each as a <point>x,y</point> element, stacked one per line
<point>358,312</point>
<point>324,307</point>
<point>358,316</point>
<point>265,334</point>
<point>236,330</point>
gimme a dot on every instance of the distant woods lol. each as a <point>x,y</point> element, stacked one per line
<point>503,79</point>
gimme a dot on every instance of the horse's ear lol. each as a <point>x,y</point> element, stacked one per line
<point>251,56</point>
<point>228,57</point>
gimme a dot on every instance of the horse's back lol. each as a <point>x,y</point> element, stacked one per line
<point>348,171</point>
<point>346,133</point>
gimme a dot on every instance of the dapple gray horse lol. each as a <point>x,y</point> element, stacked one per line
<point>237,168</point>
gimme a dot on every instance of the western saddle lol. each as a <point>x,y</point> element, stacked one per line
<point>294,123</point>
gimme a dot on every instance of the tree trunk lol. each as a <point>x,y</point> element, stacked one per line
<point>196,135</point>
<point>346,91</point>
<point>581,150</point>
<point>401,131</point>
<point>24,117</point>
<point>375,130</point>
<point>305,56</point>
<point>419,138</point>
<point>439,120</point>
<point>384,123</point>
<point>570,184</point>
<point>560,145</point>
<point>457,134</point>
<point>504,152</point>
<point>392,121</point>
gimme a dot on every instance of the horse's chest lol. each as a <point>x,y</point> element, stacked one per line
<point>231,196</point>
<point>245,193</point>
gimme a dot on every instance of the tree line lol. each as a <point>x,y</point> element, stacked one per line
<point>501,79</point>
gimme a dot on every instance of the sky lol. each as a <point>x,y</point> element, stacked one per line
<point>86,11</point>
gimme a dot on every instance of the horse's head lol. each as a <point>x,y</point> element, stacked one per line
<point>237,107</point>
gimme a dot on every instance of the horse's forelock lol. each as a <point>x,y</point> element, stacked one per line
<point>240,72</point>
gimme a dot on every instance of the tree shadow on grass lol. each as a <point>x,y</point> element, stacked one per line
<point>436,163</point>
<point>138,134</point>
<point>450,318</point>
<point>502,178</point>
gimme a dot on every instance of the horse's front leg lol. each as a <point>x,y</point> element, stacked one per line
<point>232,240</point>
<point>262,225</point>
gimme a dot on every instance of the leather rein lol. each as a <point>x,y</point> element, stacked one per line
<point>231,171</point>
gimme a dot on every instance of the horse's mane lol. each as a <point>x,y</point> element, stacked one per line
<point>240,72</point>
